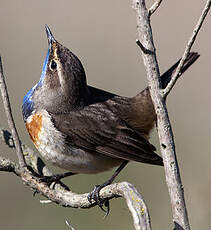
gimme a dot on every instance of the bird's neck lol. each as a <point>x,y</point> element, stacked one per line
<point>37,99</point>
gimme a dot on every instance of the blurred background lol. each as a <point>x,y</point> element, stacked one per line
<point>102,34</point>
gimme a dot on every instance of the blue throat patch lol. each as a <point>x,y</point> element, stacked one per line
<point>28,104</point>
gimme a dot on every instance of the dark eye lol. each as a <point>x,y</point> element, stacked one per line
<point>53,65</point>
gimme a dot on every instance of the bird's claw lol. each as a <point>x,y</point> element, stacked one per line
<point>49,180</point>
<point>95,195</point>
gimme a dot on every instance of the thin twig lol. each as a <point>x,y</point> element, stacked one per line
<point>10,119</point>
<point>187,48</point>
<point>154,7</point>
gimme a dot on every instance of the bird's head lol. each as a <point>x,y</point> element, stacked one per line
<point>62,85</point>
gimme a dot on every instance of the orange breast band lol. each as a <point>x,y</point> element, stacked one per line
<point>34,127</point>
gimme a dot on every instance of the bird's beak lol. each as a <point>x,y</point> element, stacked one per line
<point>50,36</point>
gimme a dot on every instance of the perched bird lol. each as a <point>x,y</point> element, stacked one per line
<point>84,129</point>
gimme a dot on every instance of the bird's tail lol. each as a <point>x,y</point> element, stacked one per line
<point>142,103</point>
<point>166,77</point>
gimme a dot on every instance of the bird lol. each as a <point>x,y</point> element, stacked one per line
<point>86,130</point>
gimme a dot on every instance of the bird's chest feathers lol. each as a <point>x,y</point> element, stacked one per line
<point>48,140</point>
<point>34,126</point>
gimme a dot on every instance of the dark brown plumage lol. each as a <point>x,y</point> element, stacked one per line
<point>114,125</point>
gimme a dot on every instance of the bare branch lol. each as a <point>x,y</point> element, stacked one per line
<point>173,180</point>
<point>10,119</point>
<point>188,48</point>
<point>66,198</point>
<point>154,7</point>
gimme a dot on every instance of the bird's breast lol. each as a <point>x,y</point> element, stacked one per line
<point>52,146</point>
<point>47,139</point>
<point>34,126</point>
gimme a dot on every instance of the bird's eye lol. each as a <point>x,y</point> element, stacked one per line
<point>53,65</point>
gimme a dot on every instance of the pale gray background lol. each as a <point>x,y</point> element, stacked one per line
<point>102,34</point>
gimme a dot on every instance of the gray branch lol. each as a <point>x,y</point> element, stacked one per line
<point>66,198</point>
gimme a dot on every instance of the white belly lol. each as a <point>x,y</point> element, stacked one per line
<point>52,147</point>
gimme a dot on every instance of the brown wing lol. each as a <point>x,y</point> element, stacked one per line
<point>96,128</point>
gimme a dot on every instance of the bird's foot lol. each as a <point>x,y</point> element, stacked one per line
<point>95,195</point>
<point>50,179</point>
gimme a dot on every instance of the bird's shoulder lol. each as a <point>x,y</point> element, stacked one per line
<point>93,118</point>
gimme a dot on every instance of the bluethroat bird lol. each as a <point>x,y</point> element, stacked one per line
<point>84,129</point>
